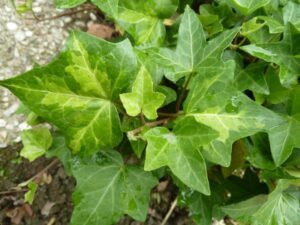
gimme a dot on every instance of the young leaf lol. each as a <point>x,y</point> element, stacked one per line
<point>247,7</point>
<point>36,142</point>
<point>29,195</point>
<point>142,99</point>
<point>192,51</point>
<point>180,150</point>
<point>141,19</point>
<point>284,53</point>
<point>110,189</point>
<point>76,91</point>
<point>214,101</point>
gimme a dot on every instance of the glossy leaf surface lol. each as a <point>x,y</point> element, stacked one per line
<point>180,150</point>
<point>107,190</point>
<point>214,101</point>
<point>192,52</point>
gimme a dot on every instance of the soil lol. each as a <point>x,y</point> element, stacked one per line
<point>52,204</point>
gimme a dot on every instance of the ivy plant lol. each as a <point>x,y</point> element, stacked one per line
<point>205,94</point>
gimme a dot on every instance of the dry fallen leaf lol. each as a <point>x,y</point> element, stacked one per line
<point>162,186</point>
<point>100,30</point>
<point>17,214</point>
<point>47,208</point>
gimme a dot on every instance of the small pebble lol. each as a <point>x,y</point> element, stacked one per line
<point>12,109</point>
<point>20,36</point>
<point>37,9</point>
<point>11,26</point>
<point>2,123</point>
<point>93,16</point>
<point>28,33</point>
<point>23,126</point>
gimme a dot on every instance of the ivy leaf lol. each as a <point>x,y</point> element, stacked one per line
<point>141,19</point>
<point>247,7</point>
<point>76,92</point>
<point>60,150</point>
<point>30,194</point>
<point>36,142</point>
<point>280,208</point>
<point>252,78</point>
<point>285,138</point>
<point>291,14</point>
<point>284,53</point>
<point>65,4</point>
<point>192,51</point>
<point>180,150</point>
<point>142,98</point>
<point>107,190</point>
<point>242,211</point>
<point>258,31</point>
<point>214,101</point>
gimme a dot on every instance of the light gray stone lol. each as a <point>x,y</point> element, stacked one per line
<point>11,26</point>
<point>2,123</point>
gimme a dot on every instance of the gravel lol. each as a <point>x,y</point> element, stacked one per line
<point>23,43</point>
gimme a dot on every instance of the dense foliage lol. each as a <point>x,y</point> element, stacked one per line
<point>204,93</point>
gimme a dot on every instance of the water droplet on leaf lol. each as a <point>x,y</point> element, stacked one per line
<point>233,105</point>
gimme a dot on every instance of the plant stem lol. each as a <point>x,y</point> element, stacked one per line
<point>40,173</point>
<point>149,124</point>
<point>182,94</point>
<point>169,114</point>
<point>88,7</point>
<point>169,212</point>
<point>12,192</point>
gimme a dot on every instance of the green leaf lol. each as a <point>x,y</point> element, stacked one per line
<point>142,99</point>
<point>243,211</point>
<point>170,94</point>
<point>284,53</point>
<point>215,102</point>
<point>259,152</point>
<point>260,30</point>
<point>60,150</point>
<point>192,52</point>
<point>36,142</point>
<point>180,150</point>
<point>29,195</point>
<point>291,14</point>
<point>141,19</point>
<point>138,147</point>
<point>253,78</point>
<point>76,92</point>
<point>284,137</point>
<point>280,208</point>
<point>278,93</point>
<point>247,7</point>
<point>65,4</point>
<point>110,189</point>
